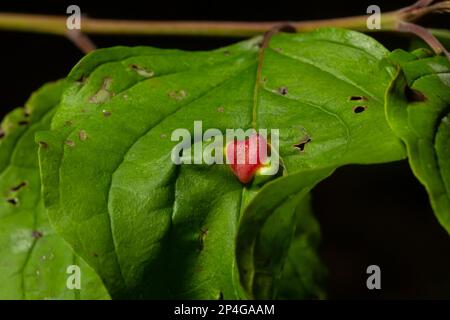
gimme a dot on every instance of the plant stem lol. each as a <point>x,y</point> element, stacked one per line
<point>57,24</point>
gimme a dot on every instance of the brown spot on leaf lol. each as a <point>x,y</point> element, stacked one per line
<point>143,72</point>
<point>201,238</point>
<point>37,234</point>
<point>413,95</point>
<point>81,80</point>
<point>106,113</point>
<point>82,135</point>
<point>70,143</point>
<point>104,93</point>
<point>178,94</point>
<point>43,144</point>
<point>283,91</point>
<point>2,133</point>
<point>220,109</point>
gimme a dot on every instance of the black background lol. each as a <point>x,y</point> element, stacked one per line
<point>375,214</point>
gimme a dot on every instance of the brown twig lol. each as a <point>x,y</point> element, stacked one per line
<point>57,24</point>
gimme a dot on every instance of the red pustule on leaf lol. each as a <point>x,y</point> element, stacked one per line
<point>247,156</point>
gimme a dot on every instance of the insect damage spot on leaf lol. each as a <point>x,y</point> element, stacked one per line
<point>37,234</point>
<point>2,133</point>
<point>106,113</point>
<point>302,143</point>
<point>283,91</point>
<point>359,109</point>
<point>220,109</point>
<point>178,94</point>
<point>143,72</point>
<point>104,93</point>
<point>81,80</point>
<point>43,144</point>
<point>13,201</point>
<point>358,98</point>
<point>201,238</point>
<point>19,186</point>
<point>69,143</point>
<point>413,95</point>
<point>82,135</point>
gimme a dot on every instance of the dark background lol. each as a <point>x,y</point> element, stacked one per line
<point>375,214</point>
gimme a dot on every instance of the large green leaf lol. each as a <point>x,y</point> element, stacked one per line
<point>418,109</point>
<point>34,259</point>
<point>153,229</point>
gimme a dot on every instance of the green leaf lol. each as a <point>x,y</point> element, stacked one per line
<point>303,275</point>
<point>34,259</point>
<point>268,227</point>
<point>418,110</point>
<point>152,229</point>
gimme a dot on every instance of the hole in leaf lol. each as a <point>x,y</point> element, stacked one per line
<point>413,95</point>
<point>358,98</point>
<point>13,201</point>
<point>359,109</point>
<point>301,145</point>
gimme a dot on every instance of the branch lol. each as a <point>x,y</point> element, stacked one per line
<point>57,24</point>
